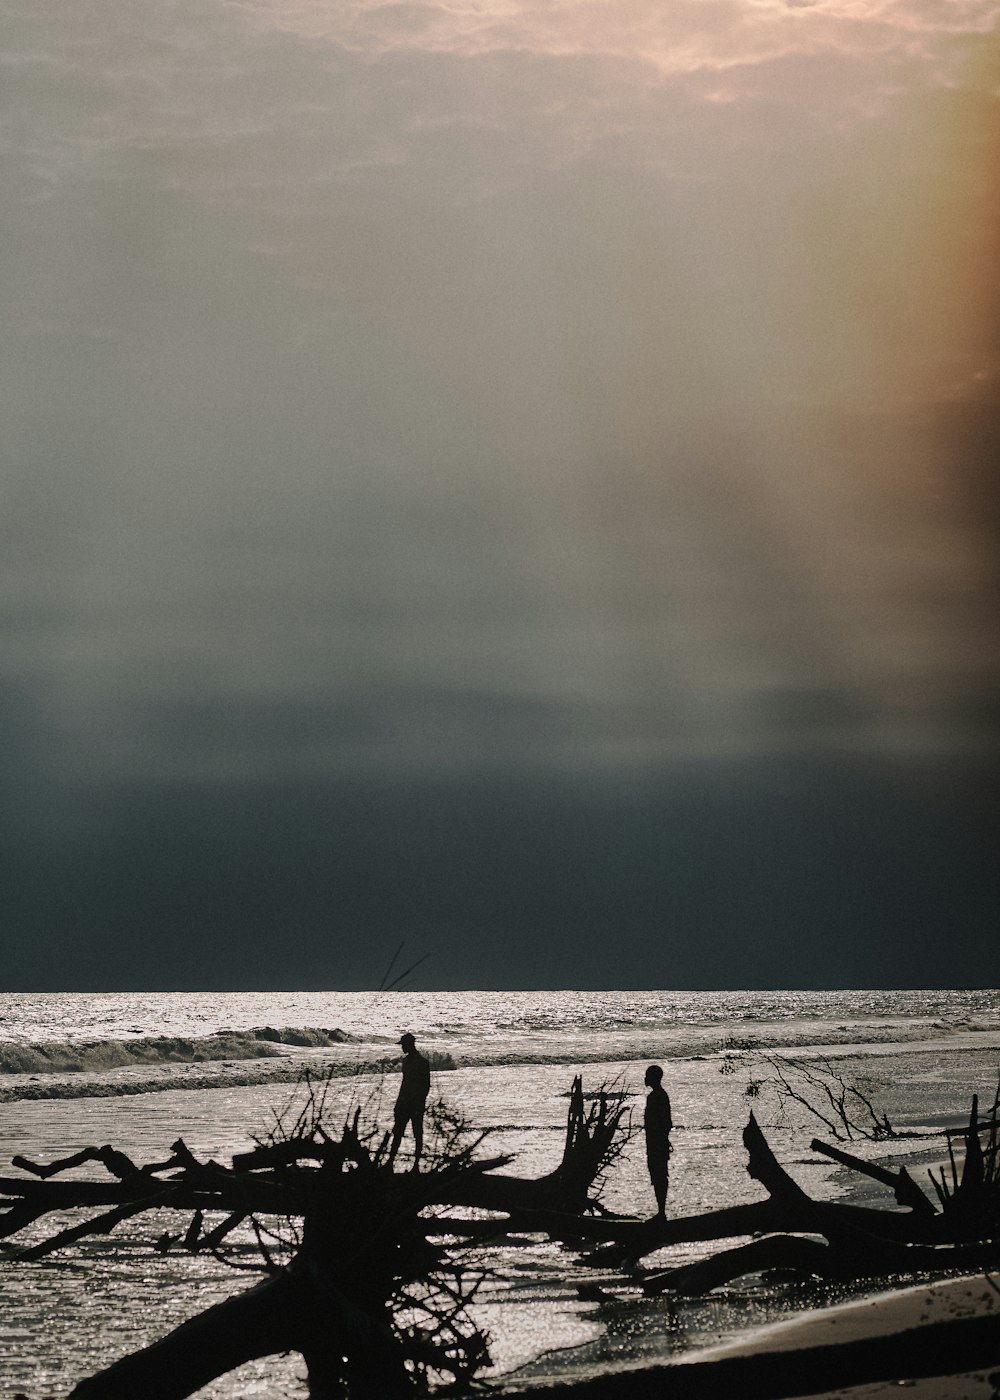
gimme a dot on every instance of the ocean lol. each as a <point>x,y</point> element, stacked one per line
<point>139,1070</point>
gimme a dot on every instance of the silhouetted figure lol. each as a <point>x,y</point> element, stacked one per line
<point>657,1122</point>
<point>411,1099</point>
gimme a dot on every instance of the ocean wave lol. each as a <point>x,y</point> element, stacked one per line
<point>815,1041</point>
<point>97,1069</point>
<point>166,1077</point>
<point>81,1056</point>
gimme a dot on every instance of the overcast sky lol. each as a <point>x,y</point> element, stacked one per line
<point>514,475</point>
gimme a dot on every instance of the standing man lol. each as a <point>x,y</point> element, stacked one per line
<point>411,1099</point>
<point>657,1122</point>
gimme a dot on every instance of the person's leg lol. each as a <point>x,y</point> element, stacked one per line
<point>660,1191</point>
<point>659,1178</point>
<point>418,1137</point>
<point>398,1128</point>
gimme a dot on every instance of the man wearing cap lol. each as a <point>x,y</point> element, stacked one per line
<point>411,1099</point>
<point>657,1122</point>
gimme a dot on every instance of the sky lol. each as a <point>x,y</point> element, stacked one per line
<point>512,476</point>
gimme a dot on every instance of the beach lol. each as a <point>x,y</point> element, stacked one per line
<point>939,1341</point>
<point>922,1055</point>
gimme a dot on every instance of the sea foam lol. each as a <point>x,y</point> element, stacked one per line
<point>81,1056</point>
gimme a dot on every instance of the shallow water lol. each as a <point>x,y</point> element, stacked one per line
<point>923,1053</point>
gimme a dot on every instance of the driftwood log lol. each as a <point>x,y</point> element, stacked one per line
<point>828,1238</point>
<point>369,1244</point>
<point>368,1247</point>
<point>787,1209</point>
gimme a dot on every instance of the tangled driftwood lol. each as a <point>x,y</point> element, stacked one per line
<point>829,1238</point>
<point>376,1280</point>
<point>375,1283</point>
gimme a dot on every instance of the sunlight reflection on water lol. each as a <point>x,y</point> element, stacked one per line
<point>110,1295</point>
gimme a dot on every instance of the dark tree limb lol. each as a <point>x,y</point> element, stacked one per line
<point>117,1163</point>
<point>806,1256</point>
<point>764,1167</point>
<point>633,1241</point>
<point>841,1106</point>
<point>842,1258</point>
<point>594,1138</point>
<point>19,1217</point>
<point>259,1322</point>
<point>864,1236</point>
<point>357,1286</point>
<point>213,1238</point>
<point>96,1225</point>
<point>859,1243</point>
<point>973,1171</point>
<point>904,1188</point>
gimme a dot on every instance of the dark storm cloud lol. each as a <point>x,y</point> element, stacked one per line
<point>754,874</point>
<point>408,390</point>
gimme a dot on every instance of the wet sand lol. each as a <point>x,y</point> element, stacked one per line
<point>939,1341</point>
<point>113,1295</point>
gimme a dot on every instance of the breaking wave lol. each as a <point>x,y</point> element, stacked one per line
<point>83,1056</point>
<point>167,1075</point>
<point>127,1065</point>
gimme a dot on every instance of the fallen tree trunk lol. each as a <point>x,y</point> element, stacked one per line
<point>257,1193</point>
<point>631,1242</point>
<point>788,1210</point>
<point>299,1310</point>
<point>259,1182</point>
<point>805,1256</point>
<point>593,1140</point>
<point>256,1323</point>
<point>361,1291</point>
<point>855,1242</point>
<point>852,1257</point>
<point>904,1188</point>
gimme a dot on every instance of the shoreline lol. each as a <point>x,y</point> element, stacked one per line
<point>888,1325</point>
<point>551,1337</point>
<point>940,1339</point>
